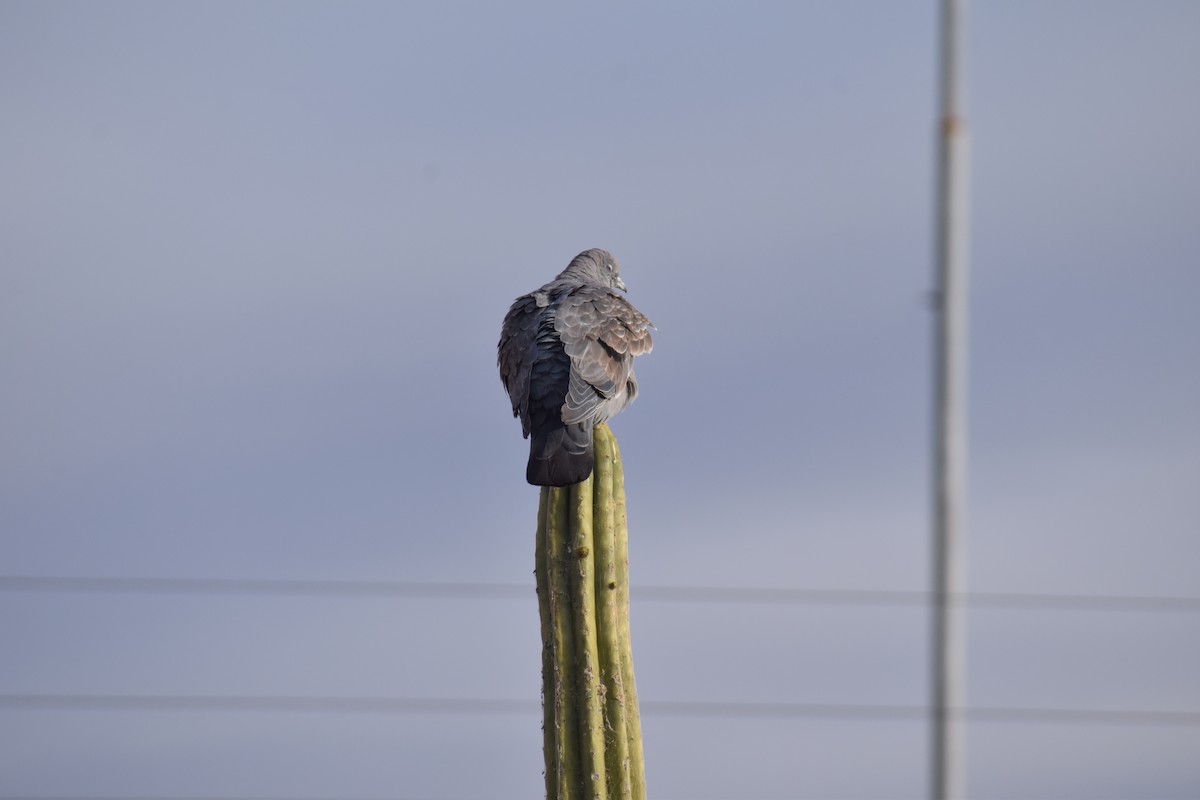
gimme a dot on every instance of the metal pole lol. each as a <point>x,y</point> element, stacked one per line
<point>948,765</point>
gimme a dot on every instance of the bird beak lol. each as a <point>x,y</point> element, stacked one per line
<point>621,284</point>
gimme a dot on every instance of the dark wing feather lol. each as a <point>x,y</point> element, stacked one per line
<point>517,352</point>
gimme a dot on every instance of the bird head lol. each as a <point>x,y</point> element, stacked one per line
<point>596,267</point>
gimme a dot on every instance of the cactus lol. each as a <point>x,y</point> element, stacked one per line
<point>592,731</point>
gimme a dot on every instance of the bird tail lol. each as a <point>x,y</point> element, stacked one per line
<point>560,456</point>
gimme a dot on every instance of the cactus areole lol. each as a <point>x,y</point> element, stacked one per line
<point>592,730</point>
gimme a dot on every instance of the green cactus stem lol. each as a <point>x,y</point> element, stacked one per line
<point>591,728</point>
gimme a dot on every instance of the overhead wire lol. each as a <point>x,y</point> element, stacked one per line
<point>713,709</point>
<point>648,593</point>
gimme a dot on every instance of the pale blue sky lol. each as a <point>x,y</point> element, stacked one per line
<point>253,262</point>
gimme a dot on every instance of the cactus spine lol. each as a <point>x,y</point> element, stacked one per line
<point>591,728</point>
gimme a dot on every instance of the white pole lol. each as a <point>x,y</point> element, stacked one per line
<point>950,447</point>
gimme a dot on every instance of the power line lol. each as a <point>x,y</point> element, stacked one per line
<point>490,796</point>
<point>502,591</point>
<point>269,703</point>
<point>264,586</point>
<point>187,797</point>
<point>500,706</point>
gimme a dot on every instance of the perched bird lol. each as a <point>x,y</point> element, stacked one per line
<point>566,359</point>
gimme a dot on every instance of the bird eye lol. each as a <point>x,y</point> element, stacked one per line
<point>609,267</point>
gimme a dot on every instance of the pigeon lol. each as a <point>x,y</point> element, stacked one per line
<point>566,359</point>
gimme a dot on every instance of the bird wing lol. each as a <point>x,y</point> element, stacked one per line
<point>517,351</point>
<point>601,332</point>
